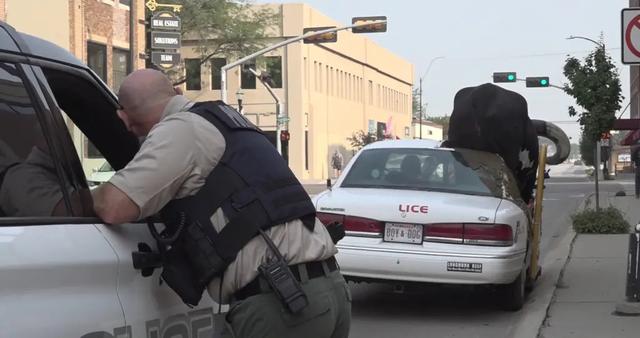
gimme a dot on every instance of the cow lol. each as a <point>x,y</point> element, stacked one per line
<point>493,119</point>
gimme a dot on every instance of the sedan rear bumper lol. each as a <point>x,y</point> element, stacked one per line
<point>431,267</point>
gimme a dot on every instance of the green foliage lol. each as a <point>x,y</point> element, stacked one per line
<point>587,150</point>
<point>360,139</point>
<point>223,27</point>
<point>605,221</point>
<point>416,104</point>
<point>595,84</point>
<point>443,121</point>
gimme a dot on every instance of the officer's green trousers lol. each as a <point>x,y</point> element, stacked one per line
<point>328,314</point>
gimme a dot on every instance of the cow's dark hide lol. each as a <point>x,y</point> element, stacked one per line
<point>493,119</point>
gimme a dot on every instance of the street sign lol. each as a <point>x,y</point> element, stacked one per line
<point>165,60</point>
<point>165,40</point>
<point>630,18</point>
<point>166,21</point>
<point>283,119</point>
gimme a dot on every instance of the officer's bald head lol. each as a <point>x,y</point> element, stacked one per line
<point>143,96</point>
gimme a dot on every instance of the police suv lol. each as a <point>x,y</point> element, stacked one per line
<point>63,273</point>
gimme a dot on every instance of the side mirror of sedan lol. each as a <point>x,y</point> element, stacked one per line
<point>329,183</point>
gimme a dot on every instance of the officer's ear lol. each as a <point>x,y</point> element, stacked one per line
<point>178,90</point>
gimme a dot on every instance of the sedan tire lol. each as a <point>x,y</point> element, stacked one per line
<point>513,295</point>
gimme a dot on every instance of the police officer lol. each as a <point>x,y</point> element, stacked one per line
<point>207,166</point>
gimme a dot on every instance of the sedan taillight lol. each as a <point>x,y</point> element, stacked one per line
<point>363,225</point>
<point>469,233</point>
<point>488,234</point>
<point>327,218</point>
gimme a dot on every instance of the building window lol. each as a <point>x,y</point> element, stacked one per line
<point>370,92</point>
<point>273,66</point>
<point>247,79</point>
<point>306,150</point>
<point>216,75</point>
<point>125,2</point>
<point>320,77</point>
<point>97,59</point>
<point>192,68</point>
<point>121,66</point>
<point>378,96</point>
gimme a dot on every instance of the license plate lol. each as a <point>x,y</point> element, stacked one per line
<point>403,233</point>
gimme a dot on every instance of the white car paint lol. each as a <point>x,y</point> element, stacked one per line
<point>54,275</point>
<point>373,258</point>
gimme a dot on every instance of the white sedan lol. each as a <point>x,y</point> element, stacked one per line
<point>416,212</point>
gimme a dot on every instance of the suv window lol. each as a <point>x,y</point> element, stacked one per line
<point>29,183</point>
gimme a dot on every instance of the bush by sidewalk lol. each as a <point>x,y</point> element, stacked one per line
<point>606,221</point>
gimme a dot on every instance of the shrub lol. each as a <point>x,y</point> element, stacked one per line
<point>606,221</point>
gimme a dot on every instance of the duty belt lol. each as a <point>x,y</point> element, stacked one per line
<point>314,270</point>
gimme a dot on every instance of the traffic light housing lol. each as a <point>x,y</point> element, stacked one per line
<point>284,136</point>
<point>377,27</point>
<point>322,38</point>
<point>504,77</point>
<point>539,81</point>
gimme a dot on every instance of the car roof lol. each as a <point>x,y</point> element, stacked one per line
<point>37,47</point>
<point>415,143</point>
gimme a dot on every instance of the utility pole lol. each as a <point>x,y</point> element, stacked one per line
<point>420,108</point>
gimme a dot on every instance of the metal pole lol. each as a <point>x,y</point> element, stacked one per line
<point>278,109</point>
<point>226,67</point>
<point>597,174</point>
<point>421,108</point>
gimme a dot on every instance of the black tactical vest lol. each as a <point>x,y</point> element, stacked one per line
<point>252,184</point>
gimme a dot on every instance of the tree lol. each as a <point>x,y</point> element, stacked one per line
<point>416,104</point>
<point>222,27</point>
<point>595,84</point>
<point>587,150</point>
<point>360,139</point>
<point>443,121</point>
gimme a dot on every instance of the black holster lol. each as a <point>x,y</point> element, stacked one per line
<point>189,258</point>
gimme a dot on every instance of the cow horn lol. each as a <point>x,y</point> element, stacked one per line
<point>557,136</point>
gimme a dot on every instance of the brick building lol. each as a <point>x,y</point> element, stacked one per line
<point>95,31</point>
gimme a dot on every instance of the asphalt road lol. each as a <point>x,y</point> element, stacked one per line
<point>456,311</point>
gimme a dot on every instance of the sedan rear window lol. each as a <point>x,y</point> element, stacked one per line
<point>465,171</point>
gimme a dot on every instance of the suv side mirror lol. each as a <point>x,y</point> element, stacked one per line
<point>329,183</point>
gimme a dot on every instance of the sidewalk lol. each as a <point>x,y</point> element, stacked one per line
<point>593,281</point>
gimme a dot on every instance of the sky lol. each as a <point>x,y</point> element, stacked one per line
<point>477,38</point>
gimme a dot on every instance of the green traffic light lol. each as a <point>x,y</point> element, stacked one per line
<point>544,82</point>
<point>511,77</point>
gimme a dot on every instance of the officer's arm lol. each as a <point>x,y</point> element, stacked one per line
<point>113,206</point>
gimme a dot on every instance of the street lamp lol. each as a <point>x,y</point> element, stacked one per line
<point>421,78</point>
<point>239,96</point>
<point>573,37</point>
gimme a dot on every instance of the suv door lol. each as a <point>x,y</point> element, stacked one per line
<point>150,307</point>
<point>58,278</point>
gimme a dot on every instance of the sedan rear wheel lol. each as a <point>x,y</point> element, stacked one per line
<point>513,294</point>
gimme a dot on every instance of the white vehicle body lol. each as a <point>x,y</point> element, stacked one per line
<point>435,259</point>
<point>70,275</point>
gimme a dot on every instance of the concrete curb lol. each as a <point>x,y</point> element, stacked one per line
<point>531,321</point>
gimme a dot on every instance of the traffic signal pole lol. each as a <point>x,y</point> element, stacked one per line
<point>225,68</point>
<point>278,109</point>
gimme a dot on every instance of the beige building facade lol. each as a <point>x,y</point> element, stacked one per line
<point>95,31</point>
<point>329,91</point>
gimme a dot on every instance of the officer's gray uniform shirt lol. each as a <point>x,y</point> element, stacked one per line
<point>174,162</point>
